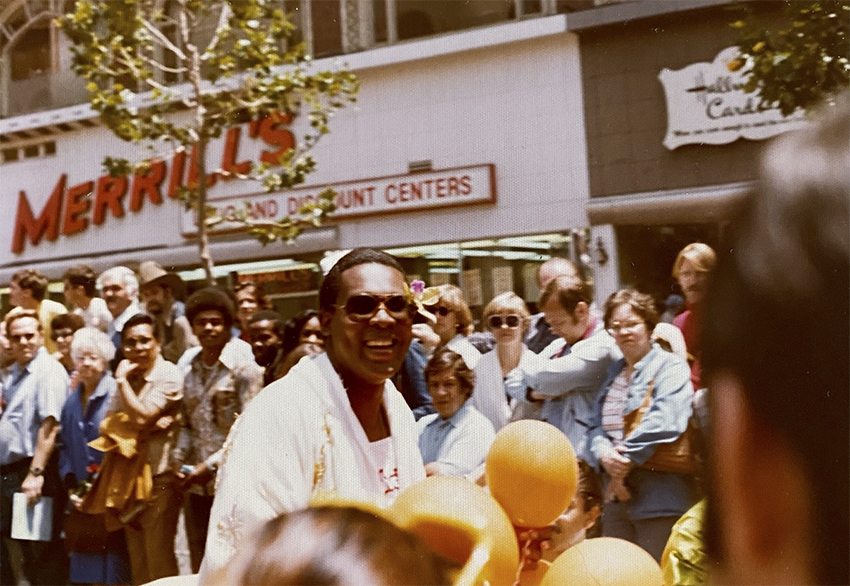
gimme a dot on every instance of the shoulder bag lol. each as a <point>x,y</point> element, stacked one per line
<point>680,456</point>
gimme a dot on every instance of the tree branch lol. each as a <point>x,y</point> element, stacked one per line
<point>222,22</point>
<point>164,40</point>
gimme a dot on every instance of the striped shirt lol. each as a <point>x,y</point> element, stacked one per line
<point>612,407</point>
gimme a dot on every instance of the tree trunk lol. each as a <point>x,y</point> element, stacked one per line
<point>194,75</point>
<point>203,236</point>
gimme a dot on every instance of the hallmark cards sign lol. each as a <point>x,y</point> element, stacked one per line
<point>706,104</point>
<point>367,197</point>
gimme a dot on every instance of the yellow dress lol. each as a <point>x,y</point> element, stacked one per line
<point>685,561</point>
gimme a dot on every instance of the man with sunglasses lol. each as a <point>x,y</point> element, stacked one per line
<point>33,397</point>
<point>332,425</point>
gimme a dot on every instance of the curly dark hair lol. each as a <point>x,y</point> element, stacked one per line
<point>210,299</point>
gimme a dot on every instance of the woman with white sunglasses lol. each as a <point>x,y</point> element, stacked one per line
<point>507,317</point>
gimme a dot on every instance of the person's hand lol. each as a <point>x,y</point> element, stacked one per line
<point>164,422</point>
<point>124,367</point>
<point>76,500</point>
<point>427,336</point>
<point>128,370</point>
<point>432,469</point>
<point>617,491</point>
<point>533,542</point>
<point>200,475</point>
<point>31,487</point>
<point>615,464</point>
<point>539,396</point>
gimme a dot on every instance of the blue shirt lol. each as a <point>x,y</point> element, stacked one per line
<point>458,444</point>
<point>80,427</point>
<point>33,393</point>
<point>654,494</point>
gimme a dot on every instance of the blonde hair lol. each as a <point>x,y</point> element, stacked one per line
<point>510,301</point>
<point>452,297</point>
<point>701,255</point>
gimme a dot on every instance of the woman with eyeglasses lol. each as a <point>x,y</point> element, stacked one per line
<point>641,504</point>
<point>507,317</point>
<point>102,559</point>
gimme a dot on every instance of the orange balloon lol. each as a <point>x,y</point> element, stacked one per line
<point>459,520</point>
<point>532,472</point>
<point>604,561</point>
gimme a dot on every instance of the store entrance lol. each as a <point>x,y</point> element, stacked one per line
<point>646,254</point>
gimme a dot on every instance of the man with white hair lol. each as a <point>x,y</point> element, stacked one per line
<point>120,290</point>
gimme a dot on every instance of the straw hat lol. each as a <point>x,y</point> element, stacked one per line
<point>152,273</point>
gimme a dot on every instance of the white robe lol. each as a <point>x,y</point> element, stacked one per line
<point>489,396</point>
<point>298,438</point>
<point>467,351</point>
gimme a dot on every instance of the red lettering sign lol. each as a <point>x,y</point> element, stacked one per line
<point>109,192</point>
<point>228,160</point>
<point>76,207</point>
<point>272,132</point>
<point>47,223</point>
<point>147,184</point>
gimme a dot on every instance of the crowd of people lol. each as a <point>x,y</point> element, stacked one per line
<point>156,382</point>
<point>141,402</point>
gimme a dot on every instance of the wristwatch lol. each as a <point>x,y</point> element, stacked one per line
<point>36,471</point>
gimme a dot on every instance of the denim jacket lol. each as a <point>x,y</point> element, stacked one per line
<point>653,493</point>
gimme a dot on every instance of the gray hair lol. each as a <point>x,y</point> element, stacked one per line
<point>123,274</point>
<point>92,340</point>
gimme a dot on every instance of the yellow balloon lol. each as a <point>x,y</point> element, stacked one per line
<point>460,521</point>
<point>532,472</point>
<point>604,561</point>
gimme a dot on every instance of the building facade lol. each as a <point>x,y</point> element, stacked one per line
<point>487,137</point>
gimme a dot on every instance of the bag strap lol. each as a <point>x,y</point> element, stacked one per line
<point>644,405</point>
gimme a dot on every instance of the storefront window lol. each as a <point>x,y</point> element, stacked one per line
<point>419,18</point>
<point>485,268</point>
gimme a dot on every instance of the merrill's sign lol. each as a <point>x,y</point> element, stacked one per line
<point>383,195</point>
<point>707,105</point>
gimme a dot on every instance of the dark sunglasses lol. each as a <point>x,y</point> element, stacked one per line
<point>61,334</point>
<point>496,321</point>
<point>441,310</point>
<point>364,306</point>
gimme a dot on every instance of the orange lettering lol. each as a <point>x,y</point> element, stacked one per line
<point>77,204</point>
<point>147,184</point>
<point>47,223</point>
<point>228,162</point>
<point>452,185</point>
<point>110,192</point>
<point>176,180</point>
<point>273,135</point>
<point>192,181</point>
<point>441,187</point>
<point>388,195</point>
